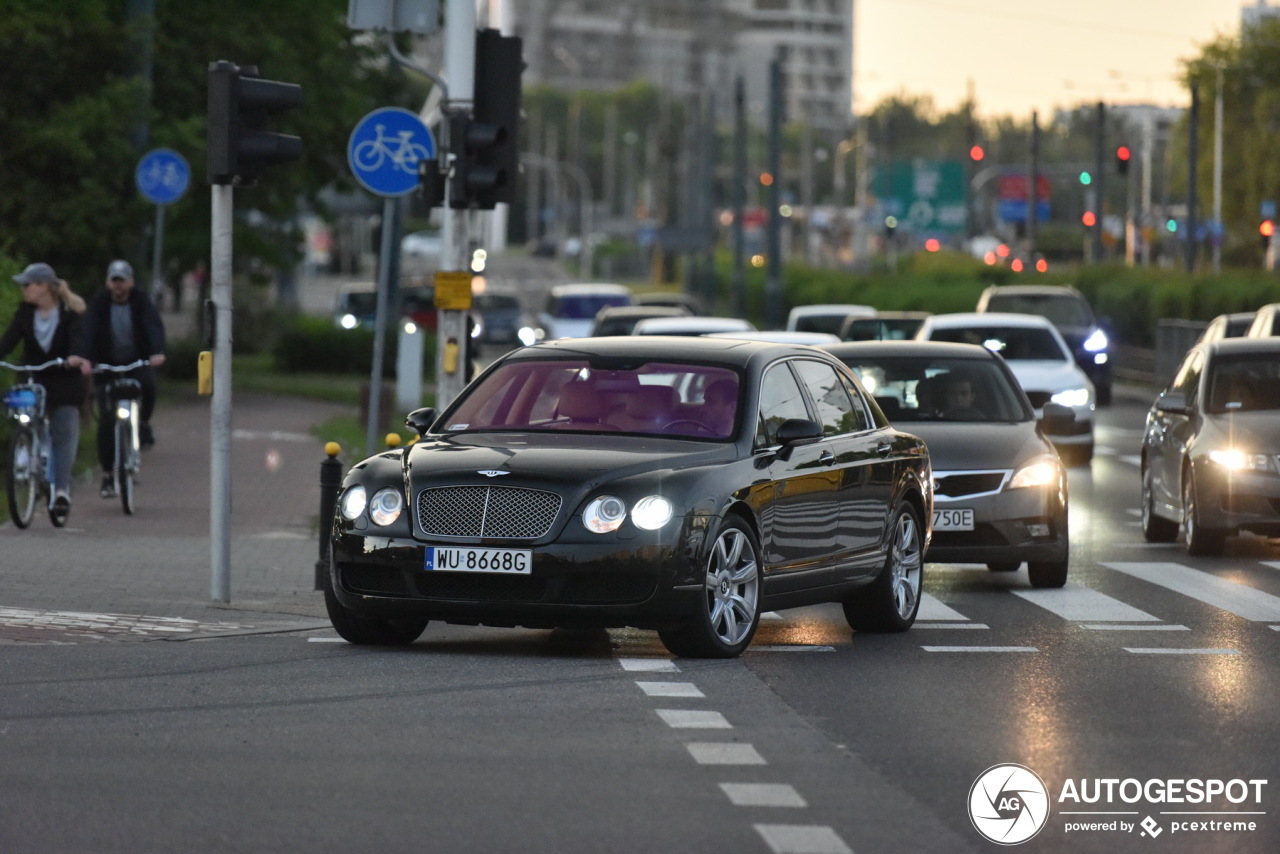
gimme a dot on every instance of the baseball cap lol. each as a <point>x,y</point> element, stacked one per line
<point>120,269</point>
<point>37,272</point>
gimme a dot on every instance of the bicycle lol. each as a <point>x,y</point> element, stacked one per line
<point>30,449</point>
<point>125,392</point>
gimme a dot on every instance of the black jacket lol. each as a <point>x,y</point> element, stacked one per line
<point>63,385</point>
<point>148,328</point>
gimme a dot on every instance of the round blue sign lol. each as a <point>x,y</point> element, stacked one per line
<point>385,149</point>
<point>163,176</point>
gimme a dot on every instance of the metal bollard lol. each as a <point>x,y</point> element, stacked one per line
<point>330,485</point>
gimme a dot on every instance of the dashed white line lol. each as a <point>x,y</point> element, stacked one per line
<point>1134,627</point>
<point>1159,650</point>
<point>654,665</point>
<point>670,689</point>
<point>802,839</point>
<point>693,719</point>
<point>724,753</point>
<point>979,649</point>
<point>920,625</point>
<point>792,647</point>
<point>763,795</point>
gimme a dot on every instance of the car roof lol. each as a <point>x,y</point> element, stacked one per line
<point>690,325</point>
<point>986,318</point>
<point>734,352</point>
<point>589,288</point>
<point>642,311</point>
<point>832,308</point>
<point>1227,346</point>
<point>781,336</point>
<point>908,349</point>
<point>1027,290</point>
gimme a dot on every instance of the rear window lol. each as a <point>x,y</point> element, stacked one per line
<point>583,306</point>
<point>1059,309</point>
<point>1015,343</point>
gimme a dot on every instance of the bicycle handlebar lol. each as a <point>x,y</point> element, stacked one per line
<point>117,369</point>
<point>49,364</point>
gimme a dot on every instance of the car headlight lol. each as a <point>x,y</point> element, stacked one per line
<point>1072,397</point>
<point>652,512</point>
<point>1097,341</point>
<point>1237,460</point>
<point>122,412</point>
<point>349,321</point>
<point>385,506</point>
<point>353,503</point>
<point>1041,471</point>
<point>604,514</point>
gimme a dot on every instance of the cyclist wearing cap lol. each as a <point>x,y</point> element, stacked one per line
<point>48,324</point>
<point>123,326</point>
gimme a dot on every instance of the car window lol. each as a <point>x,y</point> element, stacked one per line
<point>780,399</point>
<point>583,306</point>
<point>1015,343</point>
<point>1243,384</point>
<point>1059,309</point>
<point>836,411</point>
<point>916,389</point>
<point>1187,379</point>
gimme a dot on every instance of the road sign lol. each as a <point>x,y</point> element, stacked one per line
<point>163,176</point>
<point>926,195</point>
<point>385,148</point>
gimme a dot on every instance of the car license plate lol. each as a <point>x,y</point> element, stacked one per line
<point>960,519</point>
<point>504,561</point>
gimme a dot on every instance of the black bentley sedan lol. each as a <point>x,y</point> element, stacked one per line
<point>680,484</point>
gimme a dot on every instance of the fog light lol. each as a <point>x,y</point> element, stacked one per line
<point>1038,529</point>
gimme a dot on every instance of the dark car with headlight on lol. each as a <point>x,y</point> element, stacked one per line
<point>1211,447</point>
<point>684,485</point>
<point>1000,488</point>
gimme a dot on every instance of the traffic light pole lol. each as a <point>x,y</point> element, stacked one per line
<point>220,403</point>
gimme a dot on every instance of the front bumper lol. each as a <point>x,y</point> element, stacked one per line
<point>1009,525</point>
<point>1238,500</point>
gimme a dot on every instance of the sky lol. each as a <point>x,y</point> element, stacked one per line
<point>1025,55</point>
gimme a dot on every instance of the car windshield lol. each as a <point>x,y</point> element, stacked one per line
<point>496,302</point>
<point>571,395</point>
<point>584,306</point>
<point>1059,309</point>
<point>360,303</point>
<point>1244,384</point>
<point>933,389</point>
<point>1015,343</point>
<point>881,328</point>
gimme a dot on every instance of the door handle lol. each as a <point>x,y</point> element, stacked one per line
<point>884,448</point>
<point>827,458</point>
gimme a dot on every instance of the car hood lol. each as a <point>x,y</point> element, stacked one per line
<point>957,446</point>
<point>576,460</point>
<point>1252,432</point>
<point>1048,376</point>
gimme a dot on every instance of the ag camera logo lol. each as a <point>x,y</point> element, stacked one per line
<point>1008,804</point>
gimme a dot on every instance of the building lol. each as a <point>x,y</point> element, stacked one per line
<point>692,47</point>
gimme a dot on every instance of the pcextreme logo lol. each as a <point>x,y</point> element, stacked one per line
<point>1008,804</point>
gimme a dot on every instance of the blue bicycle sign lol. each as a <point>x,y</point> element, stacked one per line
<point>385,149</point>
<point>162,176</point>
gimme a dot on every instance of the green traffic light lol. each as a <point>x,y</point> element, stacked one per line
<point>1086,178</point>
<point>1172,226</point>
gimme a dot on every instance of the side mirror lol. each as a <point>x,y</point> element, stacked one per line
<point>421,419</point>
<point>795,432</point>
<point>1056,418</point>
<point>1172,401</point>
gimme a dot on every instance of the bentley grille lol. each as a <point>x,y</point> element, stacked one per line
<point>487,511</point>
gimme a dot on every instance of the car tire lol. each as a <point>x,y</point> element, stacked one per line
<point>369,631</point>
<point>728,612</point>
<point>1003,565</point>
<point>891,602</point>
<point>1155,529</point>
<point>1201,541</point>
<point>1047,573</point>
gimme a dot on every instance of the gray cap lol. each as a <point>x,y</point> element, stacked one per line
<point>37,272</point>
<point>119,269</point>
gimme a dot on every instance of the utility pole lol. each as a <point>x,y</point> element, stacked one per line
<point>738,197</point>
<point>1033,188</point>
<point>1099,179</point>
<point>773,300</point>
<point>1193,155</point>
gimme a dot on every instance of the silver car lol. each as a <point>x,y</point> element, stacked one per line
<point>1211,447</point>
<point>1000,487</point>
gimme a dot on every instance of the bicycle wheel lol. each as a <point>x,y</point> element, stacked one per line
<point>124,471</point>
<point>22,478</point>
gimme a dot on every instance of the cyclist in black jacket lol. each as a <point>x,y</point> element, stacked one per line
<point>122,326</point>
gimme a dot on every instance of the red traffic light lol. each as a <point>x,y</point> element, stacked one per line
<point>1089,219</point>
<point>976,153</point>
<point>1123,153</point>
<point>1267,228</point>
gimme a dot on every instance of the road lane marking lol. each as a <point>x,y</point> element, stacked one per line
<point>791,647</point>
<point>1245,602</point>
<point>932,608</point>
<point>920,625</point>
<point>693,719</point>
<point>979,649</point>
<point>1131,627</point>
<point>1159,650</point>
<point>1077,604</point>
<point>763,795</point>
<point>670,689</point>
<point>724,753</point>
<point>802,839</point>
<point>655,665</point>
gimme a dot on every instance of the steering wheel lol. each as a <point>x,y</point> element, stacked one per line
<point>696,425</point>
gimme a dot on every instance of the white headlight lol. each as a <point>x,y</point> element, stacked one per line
<point>122,411</point>
<point>604,514</point>
<point>1072,397</point>
<point>385,506</point>
<point>651,512</point>
<point>1097,341</point>
<point>349,321</point>
<point>353,503</point>
<point>1236,460</point>
<point>1042,471</point>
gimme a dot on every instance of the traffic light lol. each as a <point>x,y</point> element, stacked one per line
<point>239,145</point>
<point>976,153</point>
<point>1086,179</point>
<point>1089,219</point>
<point>1123,155</point>
<point>1267,228</point>
<point>486,143</point>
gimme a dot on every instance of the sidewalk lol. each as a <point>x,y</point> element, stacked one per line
<point>157,562</point>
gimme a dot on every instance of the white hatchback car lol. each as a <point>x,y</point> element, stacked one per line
<point>570,310</point>
<point>1041,360</point>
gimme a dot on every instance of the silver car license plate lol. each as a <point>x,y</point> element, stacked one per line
<point>958,519</point>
